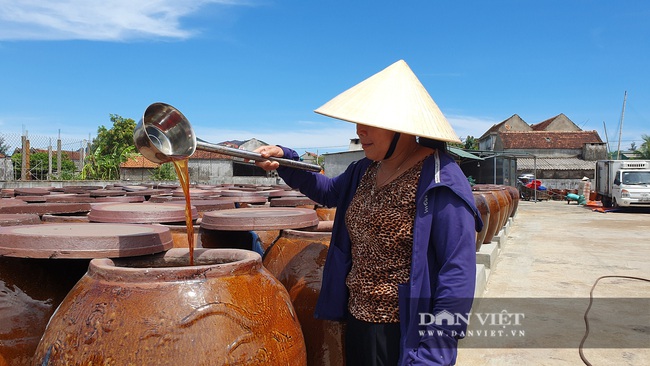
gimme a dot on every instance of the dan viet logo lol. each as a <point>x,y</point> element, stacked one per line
<point>500,324</point>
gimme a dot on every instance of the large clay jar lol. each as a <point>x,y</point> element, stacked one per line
<point>503,199</point>
<point>494,214</point>
<point>297,259</point>
<point>482,205</point>
<point>227,309</point>
<point>514,193</point>
<point>40,264</point>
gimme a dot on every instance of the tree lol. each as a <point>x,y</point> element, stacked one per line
<point>644,150</point>
<point>471,143</point>
<point>468,143</point>
<point>4,148</point>
<point>165,171</point>
<point>39,165</point>
<point>111,148</point>
<point>117,138</point>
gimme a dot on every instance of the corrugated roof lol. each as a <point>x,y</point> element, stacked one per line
<point>462,153</point>
<point>555,164</point>
<point>548,139</point>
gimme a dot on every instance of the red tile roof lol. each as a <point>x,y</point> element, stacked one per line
<point>139,161</point>
<point>205,155</point>
<point>548,140</point>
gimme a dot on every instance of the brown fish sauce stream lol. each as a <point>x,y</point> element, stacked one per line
<point>182,171</point>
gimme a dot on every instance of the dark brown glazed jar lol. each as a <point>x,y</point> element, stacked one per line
<point>482,205</point>
<point>39,264</point>
<point>227,309</point>
<point>514,193</point>
<point>297,259</point>
<point>494,211</point>
<point>502,197</point>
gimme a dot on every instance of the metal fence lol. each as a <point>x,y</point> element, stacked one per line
<point>50,169</point>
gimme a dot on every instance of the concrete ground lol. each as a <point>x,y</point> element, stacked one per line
<point>551,257</point>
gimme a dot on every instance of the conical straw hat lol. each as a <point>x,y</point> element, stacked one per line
<point>393,99</point>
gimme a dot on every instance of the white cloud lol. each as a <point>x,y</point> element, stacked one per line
<point>469,125</point>
<point>329,139</point>
<point>99,20</point>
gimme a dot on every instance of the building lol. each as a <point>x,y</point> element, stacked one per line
<point>137,168</point>
<point>556,150</point>
<point>208,167</point>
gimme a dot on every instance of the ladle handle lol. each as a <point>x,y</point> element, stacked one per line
<point>206,146</point>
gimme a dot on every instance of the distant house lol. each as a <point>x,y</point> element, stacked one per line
<point>137,168</point>
<point>205,167</point>
<point>309,157</point>
<point>556,149</point>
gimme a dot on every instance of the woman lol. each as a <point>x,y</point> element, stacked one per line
<point>403,240</point>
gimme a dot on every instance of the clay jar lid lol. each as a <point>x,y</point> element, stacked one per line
<point>31,191</point>
<point>83,241</point>
<point>280,193</point>
<point>291,202</point>
<point>267,218</point>
<point>70,197</point>
<point>106,192</point>
<point>18,219</point>
<point>244,199</point>
<point>32,199</point>
<point>139,213</point>
<point>194,192</point>
<point>239,193</point>
<point>208,205</point>
<point>125,199</point>
<point>46,208</point>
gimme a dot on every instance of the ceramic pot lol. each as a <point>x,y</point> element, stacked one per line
<point>514,193</point>
<point>227,309</point>
<point>39,264</point>
<point>503,199</point>
<point>482,205</point>
<point>297,259</point>
<point>494,214</point>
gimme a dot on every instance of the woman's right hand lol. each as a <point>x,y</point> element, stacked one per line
<point>268,151</point>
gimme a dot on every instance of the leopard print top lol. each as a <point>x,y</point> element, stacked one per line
<point>380,223</point>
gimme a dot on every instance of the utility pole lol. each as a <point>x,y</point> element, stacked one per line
<point>620,128</point>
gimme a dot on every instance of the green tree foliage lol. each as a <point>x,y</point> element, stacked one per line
<point>471,143</point>
<point>117,138</point>
<point>111,148</point>
<point>4,148</point>
<point>644,150</point>
<point>164,172</point>
<point>39,165</point>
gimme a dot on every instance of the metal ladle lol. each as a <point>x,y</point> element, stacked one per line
<point>164,134</point>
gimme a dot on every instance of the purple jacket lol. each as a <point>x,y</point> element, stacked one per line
<point>443,267</point>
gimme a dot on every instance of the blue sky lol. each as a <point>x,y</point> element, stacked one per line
<point>258,68</point>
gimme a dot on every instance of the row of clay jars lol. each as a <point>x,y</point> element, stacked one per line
<point>243,356</point>
<point>80,335</point>
<point>497,204</point>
